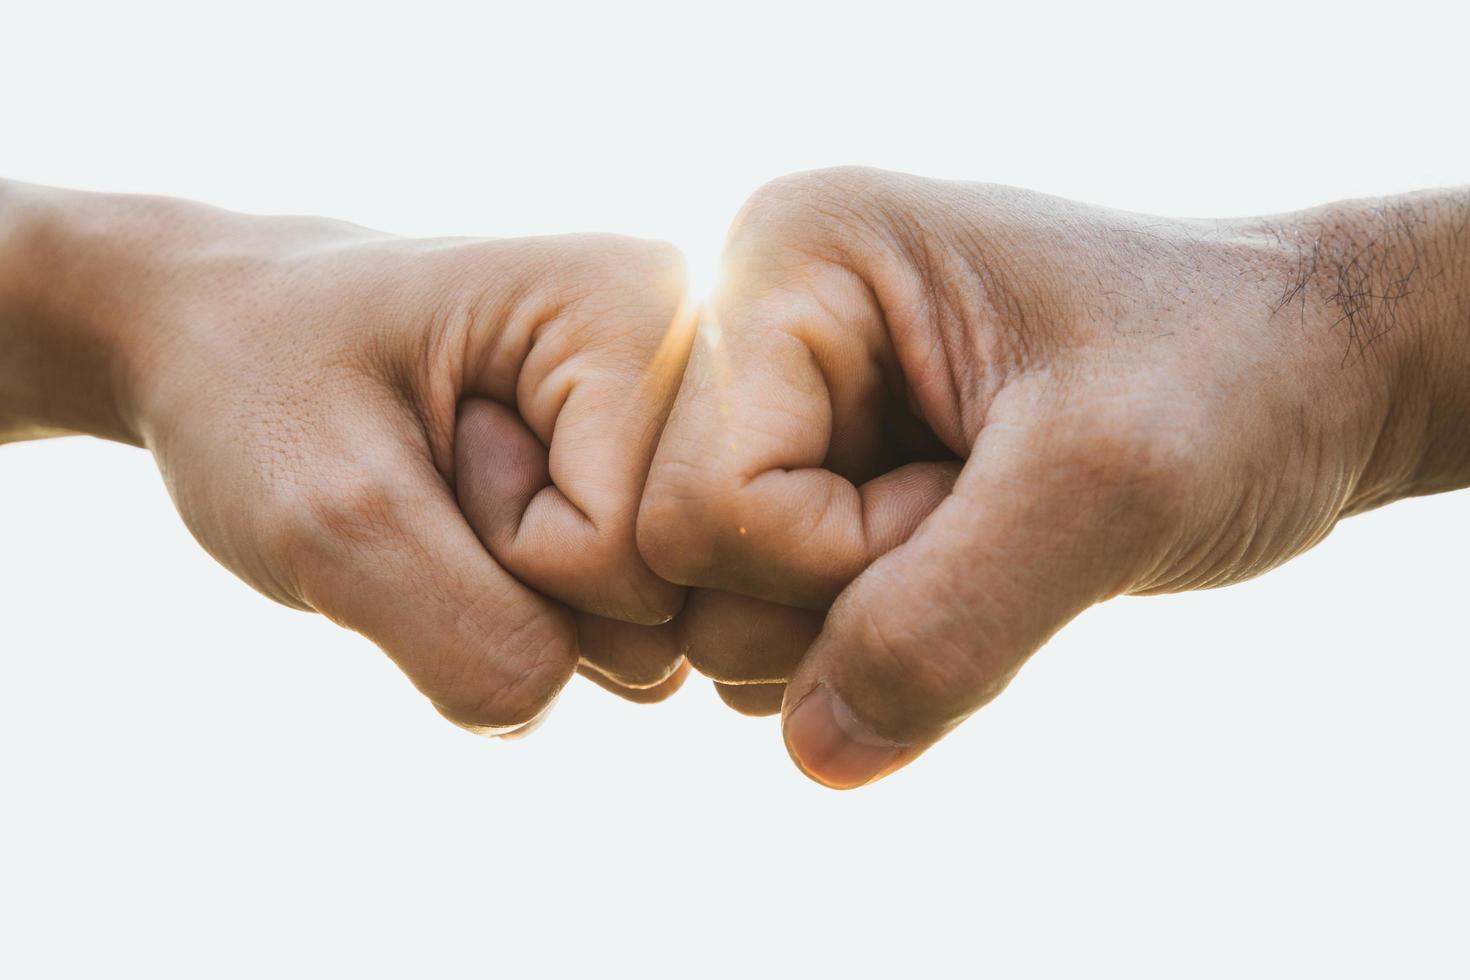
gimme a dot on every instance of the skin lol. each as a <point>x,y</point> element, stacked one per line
<point>439,444</point>
<point>931,422</point>
<point>926,424</point>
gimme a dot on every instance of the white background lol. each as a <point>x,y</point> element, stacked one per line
<point>1264,781</point>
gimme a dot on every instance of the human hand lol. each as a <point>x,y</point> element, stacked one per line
<point>1142,405</point>
<point>338,413</point>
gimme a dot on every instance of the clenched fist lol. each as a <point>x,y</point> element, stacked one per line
<point>440,444</point>
<point>960,414</point>
<point>924,425</point>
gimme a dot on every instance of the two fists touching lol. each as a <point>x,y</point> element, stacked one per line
<point>920,426</point>
<point>445,445</point>
<point>925,424</point>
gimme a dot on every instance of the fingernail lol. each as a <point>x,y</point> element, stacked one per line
<point>830,745</point>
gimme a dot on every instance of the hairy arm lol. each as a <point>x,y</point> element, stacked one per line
<point>1393,277</point>
<point>1142,404</point>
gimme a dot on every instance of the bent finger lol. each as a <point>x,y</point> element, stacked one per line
<point>739,640</point>
<point>661,691</point>
<point>505,486</point>
<point>755,700</point>
<point>630,654</point>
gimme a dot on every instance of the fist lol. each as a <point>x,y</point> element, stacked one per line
<point>440,444</point>
<point>932,422</point>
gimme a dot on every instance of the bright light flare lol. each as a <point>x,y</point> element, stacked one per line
<point>695,322</point>
<point>703,269</point>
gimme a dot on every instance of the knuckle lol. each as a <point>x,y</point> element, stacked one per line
<point>595,567</point>
<point>354,512</point>
<point>826,199</point>
<point>325,533</point>
<point>654,271</point>
<point>361,508</point>
<point>685,518</point>
<point>818,185</point>
<point>804,222</point>
<point>644,254</point>
<point>663,261</point>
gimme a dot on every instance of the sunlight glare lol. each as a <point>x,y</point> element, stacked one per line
<point>703,269</point>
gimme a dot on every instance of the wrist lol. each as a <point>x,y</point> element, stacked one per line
<point>1388,283</point>
<point>1437,361</point>
<point>74,284</point>
<point>112,303</point>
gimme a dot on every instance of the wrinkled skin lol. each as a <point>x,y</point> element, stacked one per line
<point>924,425</point>
<point>960,414</point>
<point>302,387</point>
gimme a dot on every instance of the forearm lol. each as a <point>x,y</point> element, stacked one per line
<point>73,270</point>
<point>1391,279</point>
<point>101,295</point>
<point>1444,312</point>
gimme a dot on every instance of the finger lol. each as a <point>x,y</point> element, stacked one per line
<point>755,700</point>
<point>500,467</point>
<point>531,727</point>
<point>585,557</point>
<point>383,549</point>
<point>627,653</point>
<point>1035,532</point>
<point>783,406</point>
<point>589,399</point>
<point>740,640</point>
<point>661,691</point>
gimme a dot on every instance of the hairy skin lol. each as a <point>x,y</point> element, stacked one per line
<point>395,433</point>
<point>926,425</point>
<point>1129,404</point>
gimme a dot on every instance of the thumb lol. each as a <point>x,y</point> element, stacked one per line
<point>1037,529</point>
